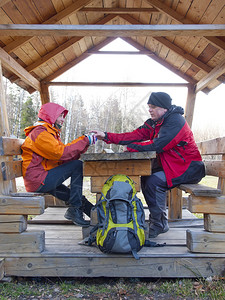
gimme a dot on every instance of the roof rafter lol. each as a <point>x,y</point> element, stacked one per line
<point>160,60</point>
<point>77,60</point>
<point>176,16</point>
<point>3,2</point>
<point>53,20</point>
<point>214,74</point>
<point>10,64</point>
<point>174,48</point>
<point>63,47</point>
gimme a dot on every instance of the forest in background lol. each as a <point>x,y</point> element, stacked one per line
<point>22,109</point>
<point>115,113</point>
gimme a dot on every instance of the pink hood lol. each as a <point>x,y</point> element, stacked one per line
<point>49,112</point>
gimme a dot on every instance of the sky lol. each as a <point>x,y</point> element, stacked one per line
<point>209,109</point>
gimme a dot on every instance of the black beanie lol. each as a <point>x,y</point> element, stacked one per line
<point>160,99</point>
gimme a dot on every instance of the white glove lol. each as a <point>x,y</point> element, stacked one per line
<point>92,138</point>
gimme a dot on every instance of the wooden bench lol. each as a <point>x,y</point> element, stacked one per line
<point>209,201</point>
<point>15,207</point>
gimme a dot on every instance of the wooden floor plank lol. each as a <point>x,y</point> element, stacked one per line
<point>116,266</point>
<point>55,215</point>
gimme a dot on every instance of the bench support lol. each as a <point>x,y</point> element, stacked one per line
<point>175,204</point>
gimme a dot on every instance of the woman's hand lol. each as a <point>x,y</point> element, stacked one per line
<point>100,135</point>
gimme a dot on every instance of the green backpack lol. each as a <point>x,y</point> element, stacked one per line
<point>121,218</point>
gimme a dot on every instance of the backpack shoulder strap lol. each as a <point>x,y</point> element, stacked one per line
<point>92,236</point>
<point>135,255</point>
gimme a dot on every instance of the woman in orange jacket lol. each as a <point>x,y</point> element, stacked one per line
<point>47,162</point>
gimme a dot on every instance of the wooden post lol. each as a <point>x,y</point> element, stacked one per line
<point>6,186</point>
<point>44,93</point>
<point>1,268</point>
<point>4,124</point>
<point>221,181</point>
<point>190,104</point>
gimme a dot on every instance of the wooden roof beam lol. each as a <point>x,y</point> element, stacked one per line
<point>118,10</point>
<point>214,74</point>
<point>12,65</point>
<point>177,17</point>
<point>146,52</point>
<point>55,19</point>
<point>120,84</point>
<point>112,30</point>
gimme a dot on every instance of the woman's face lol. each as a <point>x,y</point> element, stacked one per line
<point>60,120</point>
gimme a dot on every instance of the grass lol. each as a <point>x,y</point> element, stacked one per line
<point>211,181</point>
<point>112,288</point>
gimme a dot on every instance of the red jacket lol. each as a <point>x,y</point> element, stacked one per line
<point>173,141</point>
<point>43,148</point>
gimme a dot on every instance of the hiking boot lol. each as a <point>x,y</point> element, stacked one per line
<point>86,206</point>
<point>76,216</point>
<point>154,230</point>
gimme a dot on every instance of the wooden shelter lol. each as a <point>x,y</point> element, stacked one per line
<point>40,40</point>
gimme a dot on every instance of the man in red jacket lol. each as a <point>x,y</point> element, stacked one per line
<point>47,162</point>
<point>178,159</point>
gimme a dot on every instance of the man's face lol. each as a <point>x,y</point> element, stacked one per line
<point>156,112</point>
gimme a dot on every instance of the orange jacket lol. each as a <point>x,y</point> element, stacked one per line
<point>43,148</point>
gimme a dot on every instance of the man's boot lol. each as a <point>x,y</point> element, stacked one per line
<point>158,224</point>
<point>86,206</point>
<point>76,216</point>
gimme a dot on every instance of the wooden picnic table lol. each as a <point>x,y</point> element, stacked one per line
<point>100,166</point>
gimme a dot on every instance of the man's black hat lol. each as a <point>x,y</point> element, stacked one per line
<point>160,99</point>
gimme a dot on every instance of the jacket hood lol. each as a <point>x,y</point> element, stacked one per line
<point>49,112</point>
<point>175,109</point>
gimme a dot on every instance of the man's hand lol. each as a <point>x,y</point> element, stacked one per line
<point>100,135</point>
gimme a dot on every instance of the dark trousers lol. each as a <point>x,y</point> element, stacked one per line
<point>53,183</point>
<point>154,188</point>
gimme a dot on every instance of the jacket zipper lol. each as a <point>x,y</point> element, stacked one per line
<point>178,153</point>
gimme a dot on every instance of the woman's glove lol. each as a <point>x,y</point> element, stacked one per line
<point>92,138</point>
